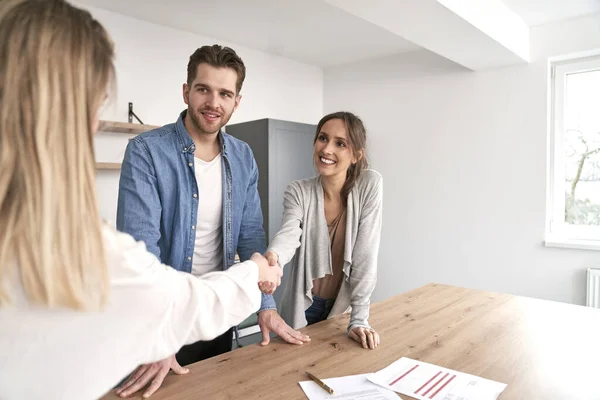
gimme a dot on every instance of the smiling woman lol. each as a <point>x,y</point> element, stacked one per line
<point>330,230</point>
<point>340,148</point>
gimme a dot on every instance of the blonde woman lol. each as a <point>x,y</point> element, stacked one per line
<point>81,305</point>
<point>330,232</point>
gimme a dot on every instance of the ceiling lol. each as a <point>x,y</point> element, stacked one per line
<point>309,31</point>
<point>317,32</point>
<point>537,12</point>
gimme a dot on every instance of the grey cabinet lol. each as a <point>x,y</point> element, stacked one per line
<point>284,152</point>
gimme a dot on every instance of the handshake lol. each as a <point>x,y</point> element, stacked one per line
<point>269,271</point>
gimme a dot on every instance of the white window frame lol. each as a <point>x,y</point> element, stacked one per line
<point>559,233</point>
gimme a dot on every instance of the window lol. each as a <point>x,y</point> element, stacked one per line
<point>573,215</point>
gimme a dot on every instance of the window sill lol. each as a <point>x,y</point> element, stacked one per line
<point>573,244</point>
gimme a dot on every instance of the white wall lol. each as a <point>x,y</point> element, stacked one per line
<point>463,156</point>
<point>151,62</point>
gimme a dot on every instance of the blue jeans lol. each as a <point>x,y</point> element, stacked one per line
<point>319,310</point>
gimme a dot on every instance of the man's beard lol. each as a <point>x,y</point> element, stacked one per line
<point>203,127</point>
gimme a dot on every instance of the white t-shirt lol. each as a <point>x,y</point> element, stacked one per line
<point>208,248</point>
<point>152,311</point>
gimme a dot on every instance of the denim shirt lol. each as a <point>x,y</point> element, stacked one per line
<point>158,197</point>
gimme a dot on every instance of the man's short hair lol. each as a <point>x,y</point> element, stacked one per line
<point>219,57</point>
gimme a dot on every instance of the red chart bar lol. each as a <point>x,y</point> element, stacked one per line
<point>428,382</point>
<point>435,384</point>
<point>443,386</point>
<point>404,374</point>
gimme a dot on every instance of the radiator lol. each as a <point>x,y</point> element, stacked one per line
<point>593,287</point>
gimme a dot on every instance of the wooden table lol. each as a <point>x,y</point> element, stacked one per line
<point>541,349</point>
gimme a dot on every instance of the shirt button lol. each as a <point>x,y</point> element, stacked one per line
<point>195,195</point>
<point>189,258</point>
<point>190,164</point>
<point>193,227</point>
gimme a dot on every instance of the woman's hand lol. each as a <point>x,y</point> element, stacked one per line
<point>269,288</point>
<point>365,336</point>
<point>269,277</point>
<point>272,258</point>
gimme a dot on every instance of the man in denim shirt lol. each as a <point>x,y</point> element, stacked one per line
<point>189,191</point>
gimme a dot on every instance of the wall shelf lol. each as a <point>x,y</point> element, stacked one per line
<point>125,127</point>
<point>120,127</point>
<point>108,165</point>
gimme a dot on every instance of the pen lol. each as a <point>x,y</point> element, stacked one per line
<point>319,382</point>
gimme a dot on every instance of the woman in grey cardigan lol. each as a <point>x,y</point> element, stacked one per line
<point>330,231</point>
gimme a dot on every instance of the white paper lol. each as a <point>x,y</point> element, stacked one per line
<point>352,387</point>
<point>425,381</point>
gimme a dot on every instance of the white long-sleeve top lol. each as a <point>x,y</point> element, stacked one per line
<point>153,310</point>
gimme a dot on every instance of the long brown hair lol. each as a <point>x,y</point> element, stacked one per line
<point>56,62</point>
<point>357,138</point>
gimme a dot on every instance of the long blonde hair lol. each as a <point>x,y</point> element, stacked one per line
<point>56,62</point>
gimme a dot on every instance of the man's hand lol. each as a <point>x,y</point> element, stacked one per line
<point>365,336</point>
<point>270,321</point>
<point>150,373</point>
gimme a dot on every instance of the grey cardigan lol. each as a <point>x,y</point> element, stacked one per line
<point>304,239</point>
